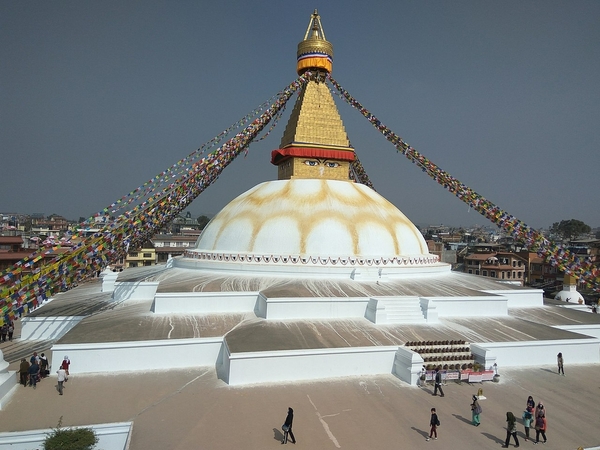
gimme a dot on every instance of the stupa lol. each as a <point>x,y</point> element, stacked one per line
<point>309,276</point>
<point>569,292</point>
<point>314,221</point>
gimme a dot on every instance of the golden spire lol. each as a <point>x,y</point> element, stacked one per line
<point>314,52</point>
<point>315,143</point>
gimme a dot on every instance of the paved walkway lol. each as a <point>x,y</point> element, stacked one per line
<point>192,409</point>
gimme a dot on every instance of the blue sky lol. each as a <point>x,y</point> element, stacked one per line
<point>97,97</point>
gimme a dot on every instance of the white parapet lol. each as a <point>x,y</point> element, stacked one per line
<point>139,355</point>
<point>8,380</point>
<point>539,353</point>
<point>135,290</point>
<point>315,307</point>
<point>429,310</point>
<point>42,327</point>
<point>314,364</point>
<point>205,302</point>
<point>592,330</point>
<point>472,306</point>
<point>108,280</point>
<point>521,298</point>
<point>408,365</point>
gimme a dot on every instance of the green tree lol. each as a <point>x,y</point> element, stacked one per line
<point>70,438</point>
<point>203,221</point>
<point>570,229</point>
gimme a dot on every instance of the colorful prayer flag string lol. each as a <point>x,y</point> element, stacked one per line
<point>571,264</point>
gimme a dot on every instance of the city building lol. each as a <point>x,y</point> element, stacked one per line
<point>142,256</point>
<point>169,245</point>
<point>505,266</point>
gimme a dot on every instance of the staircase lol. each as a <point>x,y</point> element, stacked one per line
<point>452,355</point>
<point>403,310</point>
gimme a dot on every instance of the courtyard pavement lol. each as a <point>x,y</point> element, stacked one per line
<point>192,409</point>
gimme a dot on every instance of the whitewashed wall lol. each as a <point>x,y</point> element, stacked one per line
<point>140,290</point>
<point>315,308</point>
<point>476,306</point>
<point>587,330</point>
<point>108,280</point>
<point>40,327</point>
<point>408,365</point>
<point>138,355</point>
<point>282,366</point>
<point>540,353</point>
<point>522,298</point>
<point>204,302</point>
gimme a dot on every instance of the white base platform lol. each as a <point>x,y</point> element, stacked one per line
<point>308,364</point>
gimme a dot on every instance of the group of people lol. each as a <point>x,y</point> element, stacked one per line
<point>37,368</point>
<point>6,331</point>
<point>32,371</point>
<point>534,416</point>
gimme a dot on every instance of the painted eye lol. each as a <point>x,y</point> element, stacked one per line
<point>332,165</point>
<point>311,162</point>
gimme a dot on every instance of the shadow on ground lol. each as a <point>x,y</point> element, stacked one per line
<point>277,435</point>
<point>423,433</point>
<point>496,439</point>
<point>464,419</point>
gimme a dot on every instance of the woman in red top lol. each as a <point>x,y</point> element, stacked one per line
<point>540,427</point>
<point>65,364</point>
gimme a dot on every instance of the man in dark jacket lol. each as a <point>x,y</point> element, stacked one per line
<point>23,372</point>
<point>34,370</point>
<point>438,383</point>
<point>287,427</point>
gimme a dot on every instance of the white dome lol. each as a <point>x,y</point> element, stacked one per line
<point>570,296</point>
<point>313,218</point>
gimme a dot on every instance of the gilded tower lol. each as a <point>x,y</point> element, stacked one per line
<point>315,143</point>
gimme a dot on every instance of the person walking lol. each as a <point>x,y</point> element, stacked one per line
<point>438,383</point>
<point>287,427</point>
<point>434,422</point>
<point>476,410</point>
<point>66,364</point>
<point>560,361</point>
<point>34,370</point>
<point>540,410</point>
<point>11,330</point>
<point>540,427</point>
<point>23,372</point>
<point>530,403</point>
<point>511,429</point>
<point>527,421</point>
<point>61,377</point>
<point>43,366</point>
<point>4,332</point>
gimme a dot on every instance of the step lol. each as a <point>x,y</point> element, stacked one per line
<point>404,311</point>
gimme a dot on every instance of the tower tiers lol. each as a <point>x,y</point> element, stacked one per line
<point>315,143</point>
